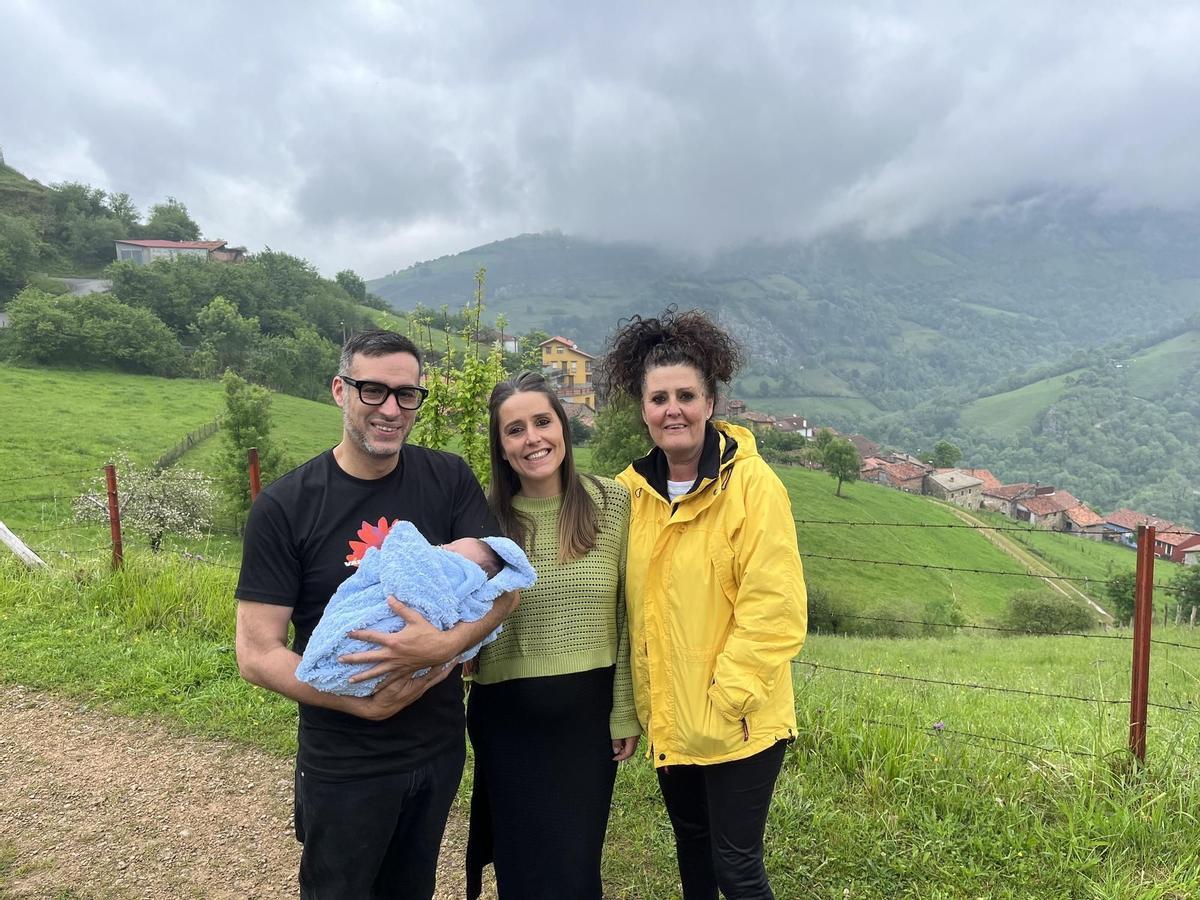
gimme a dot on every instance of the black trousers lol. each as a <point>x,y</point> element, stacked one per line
<point>543,785</point>
<point>378,837</point>
<point>719,813</point>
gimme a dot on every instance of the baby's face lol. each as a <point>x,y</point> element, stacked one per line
<point>477,552</point>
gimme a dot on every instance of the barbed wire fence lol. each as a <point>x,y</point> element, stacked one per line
<point>1140,640</point>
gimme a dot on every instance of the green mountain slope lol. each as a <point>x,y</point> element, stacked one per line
<point>863,325</point>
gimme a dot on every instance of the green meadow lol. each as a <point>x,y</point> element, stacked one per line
<point>913,775</point>
<point>894,787</point>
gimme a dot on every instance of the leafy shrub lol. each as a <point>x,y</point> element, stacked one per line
<point>1036,612</point>
<point>830,614</point>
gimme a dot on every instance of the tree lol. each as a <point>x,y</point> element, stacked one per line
<point>353,285</point>
<point>226,337</point>
<point>945,455</point>
<point>1186,586</point>
<point>246,424</point>
<point>459,392</point>
<point>581,433</point>
<point>121,207</point>
<point>90,330</point>
<point>841,461</point>
<point>153,501</point>
<point>1120,591</point>
<point>620,436</point>
<point>170,221</point>
<point>19,247</point>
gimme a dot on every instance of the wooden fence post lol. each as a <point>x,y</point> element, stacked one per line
<point>1143,615</point>
<point>255,475</point>
<point>17,546</point>
<point>114,516</point>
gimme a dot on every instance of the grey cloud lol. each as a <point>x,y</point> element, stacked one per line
<point>358,132</point>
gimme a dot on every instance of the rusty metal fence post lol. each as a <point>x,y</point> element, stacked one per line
<point>255,474</point>
<point>114,516</point>
<point>1143,615</point>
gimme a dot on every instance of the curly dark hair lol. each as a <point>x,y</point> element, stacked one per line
<point>674,338</point>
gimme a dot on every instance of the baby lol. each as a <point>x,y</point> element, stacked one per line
<point>478,551</point>
<point>454,583</point>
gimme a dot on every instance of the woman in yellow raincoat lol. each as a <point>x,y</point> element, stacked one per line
<point>716,599</point>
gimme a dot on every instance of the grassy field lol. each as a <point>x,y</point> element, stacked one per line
<point>894,787</point>
<point>897,786</point>
<point>1158,370</point>
<point>1078,558</point>
<point>814,408</point>
<point>891,590</point>
<point>1013,409</point>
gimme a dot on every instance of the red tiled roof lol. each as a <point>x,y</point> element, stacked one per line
<point>1131,519</point>
<point>570,344</point>
<point>1008,491</point>
<point>178,245</point>
<point>902,471</point>
<point>1049,504</point>
<point>1175,535</point>
<point>989,480</point>
<point>1082,517</point>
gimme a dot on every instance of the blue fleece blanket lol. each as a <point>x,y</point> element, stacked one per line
<point>441,585</point>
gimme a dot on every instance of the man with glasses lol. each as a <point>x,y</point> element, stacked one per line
<point>375,775</point>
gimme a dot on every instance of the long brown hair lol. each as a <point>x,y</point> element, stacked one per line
<point>577,517</point>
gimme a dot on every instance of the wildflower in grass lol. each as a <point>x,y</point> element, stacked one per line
<point>938,726</point>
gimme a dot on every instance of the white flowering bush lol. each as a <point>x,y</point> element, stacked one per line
<point>155,502</point>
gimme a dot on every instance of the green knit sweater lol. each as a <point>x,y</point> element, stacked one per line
<point>573,618</point>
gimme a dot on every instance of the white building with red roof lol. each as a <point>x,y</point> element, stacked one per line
<point>148,251</point>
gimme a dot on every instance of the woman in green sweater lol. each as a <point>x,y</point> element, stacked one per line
<point>551,712</point>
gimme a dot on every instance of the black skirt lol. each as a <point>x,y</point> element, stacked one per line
<point>543,784</point>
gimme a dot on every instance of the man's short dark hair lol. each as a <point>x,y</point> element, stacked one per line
<point>376,343</point>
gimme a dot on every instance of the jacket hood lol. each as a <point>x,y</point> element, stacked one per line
<point>724,445</point>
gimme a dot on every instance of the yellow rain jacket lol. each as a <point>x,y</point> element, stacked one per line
<point>717,604</point>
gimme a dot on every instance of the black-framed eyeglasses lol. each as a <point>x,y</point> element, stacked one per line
<point>372,393</point>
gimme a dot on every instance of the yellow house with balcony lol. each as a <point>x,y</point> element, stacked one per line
<point>570,369</point>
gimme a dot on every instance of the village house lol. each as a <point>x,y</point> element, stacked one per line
<point>146,252</point>
<point>1045,510</point>
<point>1123,525</point>
<point>864,445</point>
<point>1170,543</point>
<point>726,407</point>
<point>1001,497</point>
<point>756,420</point>
<point>570,370</point>
<point>1191,555</point>
<point>954,487</point>
<point>902,476</point>
<point>1084,522</point>
<point>984,475</point>
<point>794,425</point>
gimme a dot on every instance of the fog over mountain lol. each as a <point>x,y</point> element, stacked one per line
<point>374,134</point>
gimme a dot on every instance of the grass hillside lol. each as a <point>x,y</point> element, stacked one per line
<point>20,195</point>
<point>1153,373</point>
<point>895,591</point>
<point>97,414</point>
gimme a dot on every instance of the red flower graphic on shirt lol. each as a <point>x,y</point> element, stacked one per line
<point>369,536</point>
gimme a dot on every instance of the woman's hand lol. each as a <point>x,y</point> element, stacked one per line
<point>623,747</point>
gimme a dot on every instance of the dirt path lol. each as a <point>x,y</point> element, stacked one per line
<point>96,806</point>
<point>1033,563</point>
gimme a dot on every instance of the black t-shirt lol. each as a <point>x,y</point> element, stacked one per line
<point>298,537</point>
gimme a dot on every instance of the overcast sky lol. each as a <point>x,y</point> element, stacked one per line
<point>372,135</point>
